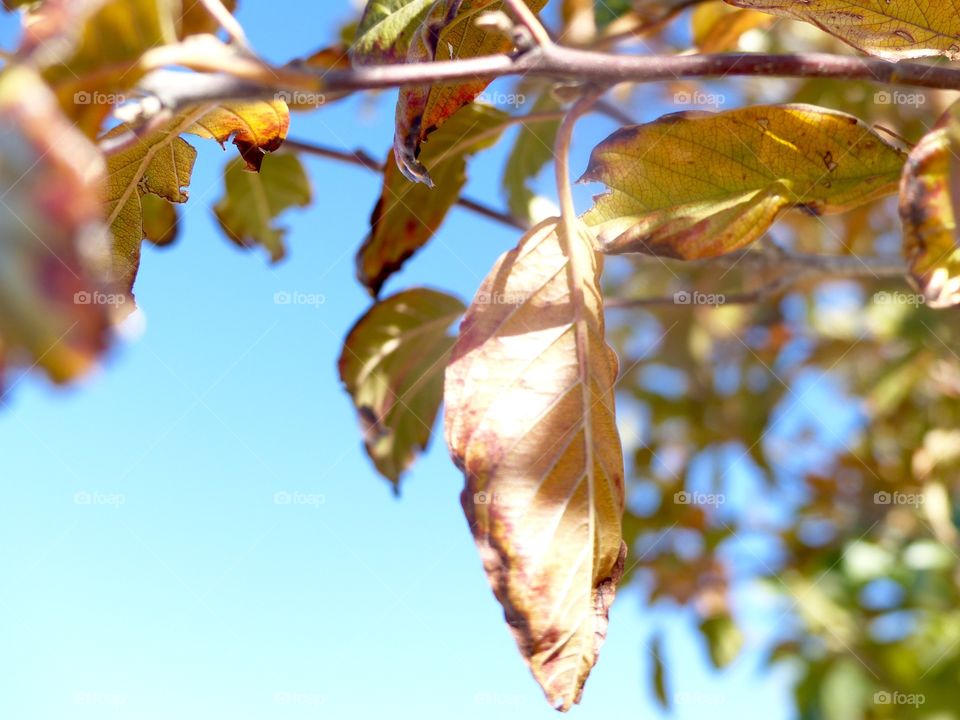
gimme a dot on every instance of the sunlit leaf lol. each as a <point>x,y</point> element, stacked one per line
<point>161,222</point>
<point>54,305</point>
<point>256,128</point>
<point>386,30</point>
<point>530,421</point>
<point>252,201</point>
<point>929,207</point>
<point>891,29</point>
<point>408,214</point>
<point>421,109</point>
<point>392,365</point>
<point>718,27</point>
<point>696,185</point>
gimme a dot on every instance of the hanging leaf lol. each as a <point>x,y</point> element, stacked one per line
<point>161,223</point>
<point>929,207</point>
<point>386,30</point>
<point>408,214</point>
<point>532,151</point>
<point>696,185</point>
<point>892,29</point>
<point>256,128</point>
<point>659,672</point>
<point>530,421</point>
<point>54,305</point>
<point>392,365</point>
<point>252,201</point>
<point>448,32</point>
<point>724,640</point>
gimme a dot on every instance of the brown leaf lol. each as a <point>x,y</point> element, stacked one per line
<point>530,421</point>
<point>256,127</point>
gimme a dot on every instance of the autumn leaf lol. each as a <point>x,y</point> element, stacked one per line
<point>892,29</point>
<point>448,32</point>
<point>695,185</point>
<point>161,222</point>
<point>252,201</point>
<point>257,128</point>
<point>718,27</point>
<point>392,365</point>
<point>532,151</point>
<point>408,214</point>
<point>530,421</point>
<point>195,19</point>
<point>929,206</point>
<point>386,30</point>
<point>54,302</point>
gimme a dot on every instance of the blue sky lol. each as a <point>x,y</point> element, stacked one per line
<point>148,570</point>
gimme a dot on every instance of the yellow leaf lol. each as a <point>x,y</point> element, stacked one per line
<point>530,421</point>
<point>718,27</point>
<point>256,128</point>
<point>929,204</point>
<point>421,109</point>
<point>893,29</point>
<point>695,185</point>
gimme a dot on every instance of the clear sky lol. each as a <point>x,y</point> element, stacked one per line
<point>147,571</point>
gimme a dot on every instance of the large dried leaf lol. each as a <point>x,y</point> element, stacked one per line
<point>929,207</point>
<point>891,29</point>
<point>386,30</point>
<point>392,365</point>
<point>530,421</point>
<point>252,201</point>
<point>54,306</point>
<point>448,32</point>
<point>408,214</point>
<point>696,185</point>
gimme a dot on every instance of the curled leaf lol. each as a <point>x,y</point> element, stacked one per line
<point>929,207</point>
<point>408,214</point>
<point>893,29</point>
<point>256,128</point>
<point>530,421</point>
<point>392,365</point>
<point>695,185</point>
<point>448,32</point>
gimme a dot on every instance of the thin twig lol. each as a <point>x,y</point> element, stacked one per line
<point>528,19</point>
<point>362,158</point>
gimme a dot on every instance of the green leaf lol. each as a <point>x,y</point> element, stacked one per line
<point>724,640</point>
<point>386,30</point>
<point>252,201</point>
<point>659,672</point>
<point>929,207</point>
<point>696,185</point>
<point>892,29</point>
<point>443,35</point>
<point>532,151</point>
<point>392,365</point>
<point>408,214</point>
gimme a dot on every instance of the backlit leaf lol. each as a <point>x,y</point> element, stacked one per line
<point>392,365</point>
<point>929,206</point>
<point>386,31</point>
<point>408,214</point>
<point>252,201</point>
<point>54,306</point>
<point>161,223</point>
<point>530,421</point>
<point>421,109</point>
<point>532,151</point>
<point>718,27</point>
<point>695,185</point>
<point>256,128</point>
<point>891,29</point>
